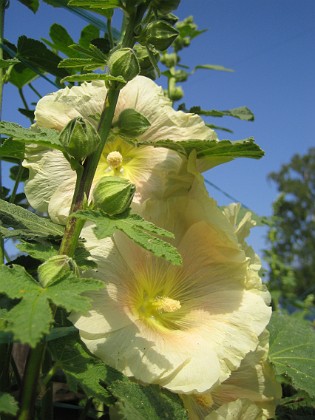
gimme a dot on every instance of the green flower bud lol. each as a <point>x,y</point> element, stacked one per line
<point>165,6</point>
<point>158,33</point>
<point>113,195</point>
<point>176,93</point>
<point>54,269</point>
<point>131,123</point>
<point>181,75</point>
<point>79,138</point>
<point>123,63</point>
<point>146,66</point>
<point>169,60</point>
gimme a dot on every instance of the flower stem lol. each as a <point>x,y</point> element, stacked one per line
<point>31,375</point>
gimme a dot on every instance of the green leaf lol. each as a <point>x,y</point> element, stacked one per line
<point>292,344</point>
<point>67,292</point>
<point>12,150</point>
<point>82,368</point>
<point>42,136</point>
<point>88,33</point>
<point>146,402</point>
<point>242,113</point>
<point>61,39</point>
<point>31,4</point>
<point>96,4</point>
<point>211,67</point>
<point>8,405</point>
<point>85,63</point>
<point>37,55</point>
<point>42,251</point>
<point>93,76</point>
<point>217,127</point>
<point>19,218</point>
<point>139,230</point>
<point>31,318</point>
<point>4,64</point>
<point>211,148</point>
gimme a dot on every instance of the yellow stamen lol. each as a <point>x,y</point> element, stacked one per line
<point>114,159</point>
<point>165,304</point>
<point>205,400</point>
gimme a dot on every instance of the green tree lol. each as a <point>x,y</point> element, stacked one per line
<point>291,255</point>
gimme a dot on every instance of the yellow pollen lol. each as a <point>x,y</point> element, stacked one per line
<point>166,304</point>
<point>205,400</point>
<point>114,159</point>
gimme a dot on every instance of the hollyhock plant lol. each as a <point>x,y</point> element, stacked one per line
<point>51,181</point>
<point>165,324</point>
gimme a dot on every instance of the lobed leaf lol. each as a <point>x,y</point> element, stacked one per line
<point>12,150</point>
<point>4,64</point>
<point>43,136</point>
<point>137,229</point>
<point>32,317</point>
<point>93,76</point>
<point>146,402</point>
<point>8,405</point>
<point>242,113</point>
<point>292,344</point>
<point>211,148</point>
<point>31,4</point>
<point>25,221</point>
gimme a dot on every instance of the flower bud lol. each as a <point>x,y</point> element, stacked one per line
<point>146,66</point>
<point>158,33</point>
<point>176,93</point>
<point>54,269</point>
<point>165,6</point>
<point>123,63</point>
<point>79,138</point>
<point>169,60</point>
<point>113,195</point>
<point>131,123</point>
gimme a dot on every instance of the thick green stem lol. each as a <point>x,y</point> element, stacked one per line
<point>30,381</point>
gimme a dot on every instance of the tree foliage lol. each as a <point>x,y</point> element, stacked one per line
<point>292,233</point>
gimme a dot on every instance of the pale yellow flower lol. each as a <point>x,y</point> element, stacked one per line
<point>253,381</point>
<point>51,182</point>
<point>185,328</point>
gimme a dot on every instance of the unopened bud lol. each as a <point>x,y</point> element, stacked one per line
<point>79,138</point>
<point>160,34</point>
<point>113,194</point>
<point>131,123</point>
<point>176,93</point>
<point>123,63</point>
<point>165,6</point>
<point>54,269</point>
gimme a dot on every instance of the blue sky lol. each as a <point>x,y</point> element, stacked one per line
<point>269,44</point>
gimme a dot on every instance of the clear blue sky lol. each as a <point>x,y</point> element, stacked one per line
<point>271,46</point>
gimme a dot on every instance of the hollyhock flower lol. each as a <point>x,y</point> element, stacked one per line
<point>253,382</point>
<point>185,328</point>
<point>51,182</point>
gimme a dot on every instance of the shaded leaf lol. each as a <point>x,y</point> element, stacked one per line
<point>140,231</point>
<point>95,4</point>
<point>211,148</point>
<point>12,150</point>
<point>19,218</point>
<point>93,76</point>
<point>83,369</point>
<point>242,113</point>
<point>88,33</point>
<point>211,67</point>
<point>4,64</point>
<point>36,54</point>
<point>42,136</point>
<point>31,4</point>
<point>8,405</point>
<point>292,344</point>
<point>146,402</point>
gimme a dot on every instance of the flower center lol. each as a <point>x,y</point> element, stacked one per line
<point>114,159</point>
<point>205,400</point>
<point>165,304</point>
